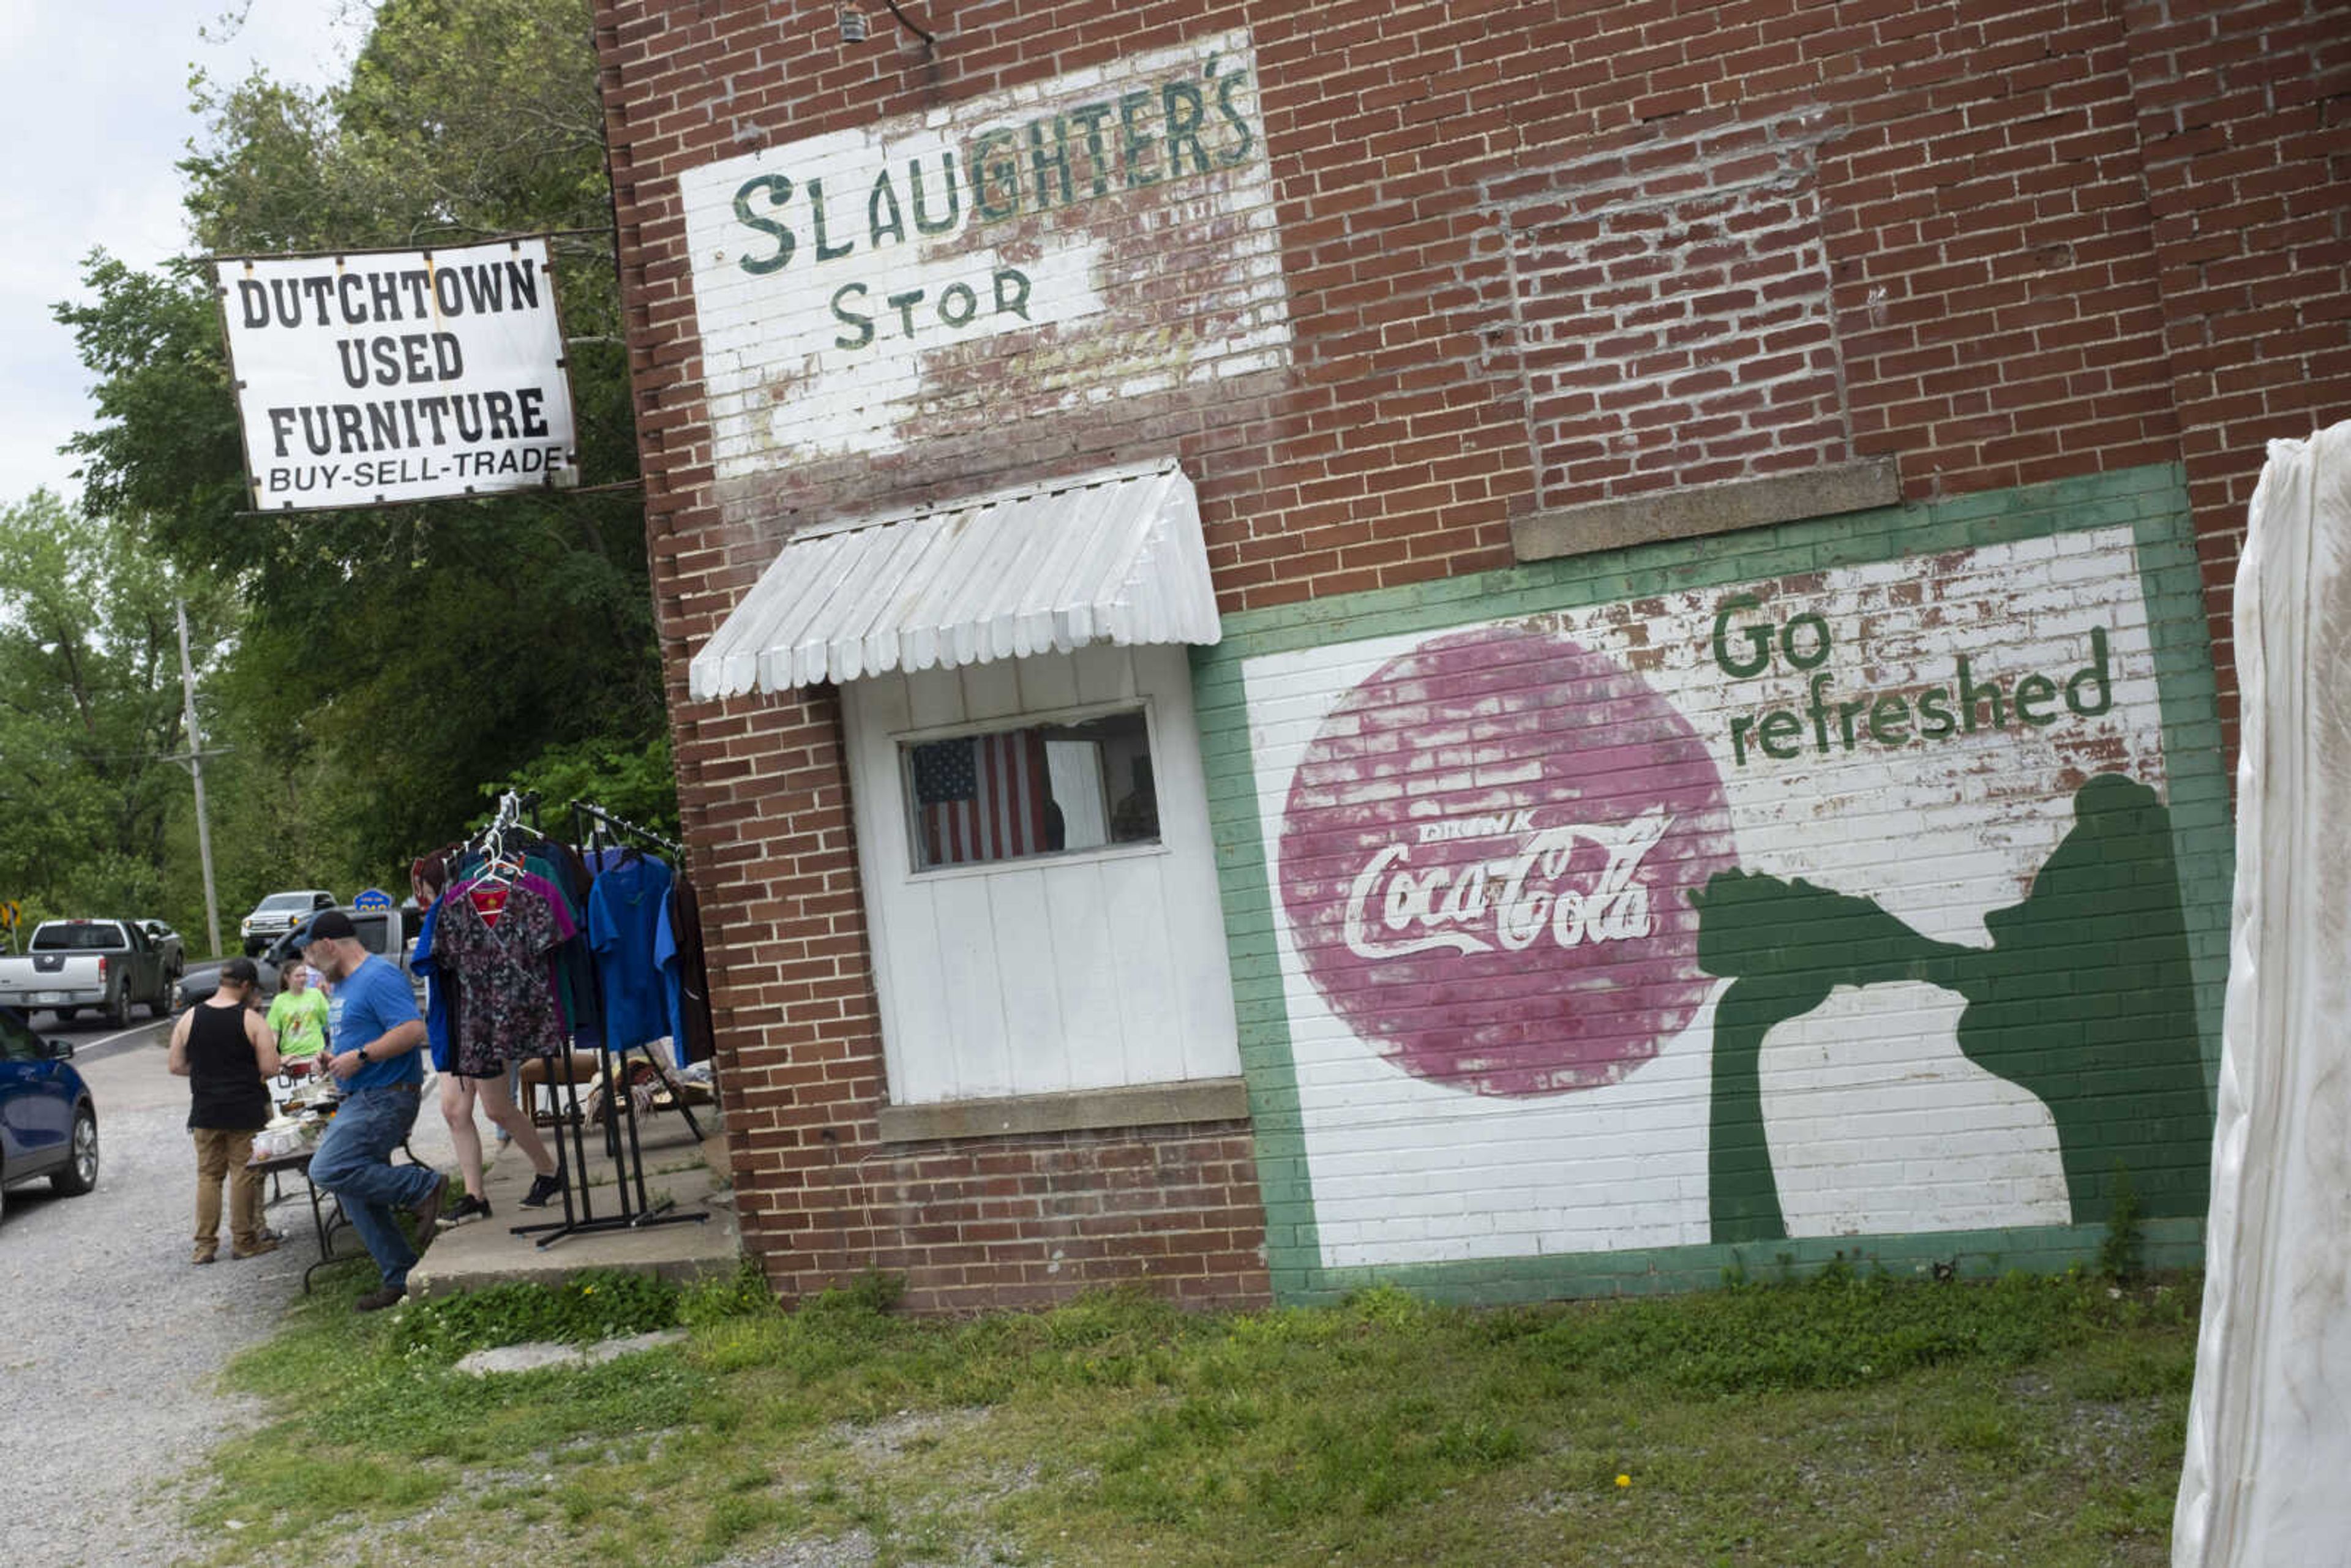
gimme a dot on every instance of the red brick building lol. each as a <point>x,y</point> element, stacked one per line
<point>1543,596</point>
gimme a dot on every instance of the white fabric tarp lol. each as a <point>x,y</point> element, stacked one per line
<point>2266,1479</point>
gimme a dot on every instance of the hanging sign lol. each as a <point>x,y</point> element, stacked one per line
<point>385,376</point>
<point>373,898</point>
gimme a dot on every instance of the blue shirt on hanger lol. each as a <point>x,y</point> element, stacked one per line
<point>624,909</point>
<point>436,1001</point>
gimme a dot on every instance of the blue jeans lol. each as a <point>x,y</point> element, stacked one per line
<point>353,1161</point>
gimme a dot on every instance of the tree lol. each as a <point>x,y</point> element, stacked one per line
<point>415,653</point>
<point>91,709</point>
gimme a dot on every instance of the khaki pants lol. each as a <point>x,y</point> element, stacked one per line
<point>224,1153</point>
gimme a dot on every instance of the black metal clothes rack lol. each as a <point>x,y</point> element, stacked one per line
<point>591,827</point>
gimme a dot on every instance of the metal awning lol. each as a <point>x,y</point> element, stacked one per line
<point>1110,557</point>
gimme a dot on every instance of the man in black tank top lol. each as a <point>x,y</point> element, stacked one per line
<point>228,1056</point>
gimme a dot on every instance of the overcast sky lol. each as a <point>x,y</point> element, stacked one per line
<point>95,116</point>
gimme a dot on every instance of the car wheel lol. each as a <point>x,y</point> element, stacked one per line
<point>118,1009</point>
<point>65,1015</point>
<point>79,1173</point>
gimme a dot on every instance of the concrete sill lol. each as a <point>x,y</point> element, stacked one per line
<point>1707,510</point>
<point>1145,1105</point>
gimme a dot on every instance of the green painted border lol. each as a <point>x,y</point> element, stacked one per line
<point>2151,501</point>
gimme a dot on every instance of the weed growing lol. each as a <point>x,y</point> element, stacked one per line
<point>2122,1255</point>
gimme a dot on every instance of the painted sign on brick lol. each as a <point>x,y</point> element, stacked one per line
<point>1107,234</point>
<point>1491,835</point>
<point>1835,904</point>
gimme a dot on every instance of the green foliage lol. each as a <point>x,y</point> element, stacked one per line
<point>390,663</point>
<point>2122,1253</point>
<point>1838,1330</point>
<point>584,1309</point>
<point>873,1293</point>
<point>90,710</point>
<point>745,1293</point>
<point>628,781</point>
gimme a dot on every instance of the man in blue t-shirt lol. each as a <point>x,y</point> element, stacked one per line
<point>372,1033</point>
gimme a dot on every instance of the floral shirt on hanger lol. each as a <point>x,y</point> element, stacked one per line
<point>508,1009</point>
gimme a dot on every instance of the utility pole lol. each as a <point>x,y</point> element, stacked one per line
<point>196,770</point>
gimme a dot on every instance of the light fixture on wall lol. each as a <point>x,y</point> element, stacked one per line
<point>852,25</point>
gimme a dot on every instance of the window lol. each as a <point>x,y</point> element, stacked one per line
<point>78,936</point>
<point>1039,790</point>
<point>18,1042</point>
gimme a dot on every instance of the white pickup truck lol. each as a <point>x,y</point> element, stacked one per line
<point>108,965</point>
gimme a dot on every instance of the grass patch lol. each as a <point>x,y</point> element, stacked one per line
<point>1850,1416</point>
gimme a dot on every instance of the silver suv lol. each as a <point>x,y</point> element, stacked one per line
<point>277,914</point>
<point>380,932</point>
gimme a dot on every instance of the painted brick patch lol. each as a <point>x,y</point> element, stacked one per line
<point>1672,300</point>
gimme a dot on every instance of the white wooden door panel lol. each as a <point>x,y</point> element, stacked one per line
<point>1036,1042</point>
<point>1087,970</point>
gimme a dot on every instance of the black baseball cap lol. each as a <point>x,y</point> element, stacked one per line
<point>328,926</point>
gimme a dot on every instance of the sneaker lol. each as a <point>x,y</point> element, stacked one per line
<point>542,1189</point>
<point>268,1241</point>
<point>466,1210</point>
<point>428,1213</point>
<point>203,1255</point>
<point>376,1300</point>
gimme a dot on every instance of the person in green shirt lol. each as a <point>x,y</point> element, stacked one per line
<point>299,1019</point>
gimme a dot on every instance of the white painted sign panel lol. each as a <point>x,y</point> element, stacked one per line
<point>390,376</point>
<point>1107,234</point>
<point>1525,868</point>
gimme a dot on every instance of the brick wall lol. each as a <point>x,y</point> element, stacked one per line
<point>2245,133</point>
<point>1987,243</point>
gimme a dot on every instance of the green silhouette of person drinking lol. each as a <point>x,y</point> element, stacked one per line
<point>2084,999</point>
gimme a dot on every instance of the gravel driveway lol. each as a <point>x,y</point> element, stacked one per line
<point>114,1340</point>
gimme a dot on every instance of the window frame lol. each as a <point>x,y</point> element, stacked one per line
<point>903,741</point>
<point>11,1025</point>
<point>1097,1023</point>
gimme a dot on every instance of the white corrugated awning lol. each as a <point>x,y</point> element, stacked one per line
<point>1110,557</point>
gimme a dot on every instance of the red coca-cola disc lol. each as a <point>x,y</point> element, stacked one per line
<point>1486,858</point>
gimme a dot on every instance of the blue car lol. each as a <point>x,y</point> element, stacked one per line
<point>49,1126</point>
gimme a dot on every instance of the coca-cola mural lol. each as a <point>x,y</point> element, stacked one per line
<point>1488,855</point>
<point>1842,902</point>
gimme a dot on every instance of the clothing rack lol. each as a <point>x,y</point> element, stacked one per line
<point>591,826</point>
<point>508,816</point>
<point>597,815</point>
